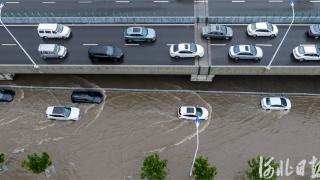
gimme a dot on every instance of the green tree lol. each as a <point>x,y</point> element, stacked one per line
<point>2,158</point>
<point>253,172</point>
<point>202,170</point>
<point>154,168</point>
<point>317,170</point>
<point>37,163</point>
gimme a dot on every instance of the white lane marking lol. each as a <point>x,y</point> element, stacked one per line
<point>13,2</point>
<point>48,2</point>
<point>122,1</point>
<point>89,44</point>
<point>236,1</point>
<point>200,1</point>
<point>8,44</point>
<point>315,1</point>
<point>266,45</point>
<point>160,1</point>
<point>275,1</point>
<point>170,44</point>
<point>132,44</point>
<point>84,2</point>
<point>217,44</point>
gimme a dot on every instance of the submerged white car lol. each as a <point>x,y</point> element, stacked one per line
<point>306,52</point>
<point>262,29</point>
<point>63,113</point>
<point>186,50</point>
<point>276,103</point>
<point>191,113</point>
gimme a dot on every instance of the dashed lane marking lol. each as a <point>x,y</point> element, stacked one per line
<point>217,44</point>
<point>48,2</point>
<point>275,1</point>
<point>8,44</point>
<point>122,1</point>
<point>238,1</point>
<point>266,45</point>
<point>84,2</point>
<point>13,2</point>
<point>89,44</point>
<point>160,1</point>
<point>132,44</point>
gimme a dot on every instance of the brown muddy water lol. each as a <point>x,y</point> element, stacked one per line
<point>112,139</point>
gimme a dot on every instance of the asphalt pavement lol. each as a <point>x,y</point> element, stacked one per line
<point>82,38</point>
<point>295,37</point>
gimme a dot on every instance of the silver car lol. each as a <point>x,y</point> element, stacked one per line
<point>215,31</point>
<point>52,51</point>
<point>245,52</point>
<point>138,34</point>
<point>306,52</point>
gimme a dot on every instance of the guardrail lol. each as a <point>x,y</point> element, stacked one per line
<point>162,20</point>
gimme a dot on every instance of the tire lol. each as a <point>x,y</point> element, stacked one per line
<point>197,57</point>
<point>236,59</point>
<point>267,109</point>
<point>301,60</point>
<point>208,38</point>
<point>258,59</point>
<point>64,37</point>
<point>286,109</point>
<point>254,35</point>
<point>272,36</point>
<point>149,40</point>
<point>176,57</point>
<point>45,37</point>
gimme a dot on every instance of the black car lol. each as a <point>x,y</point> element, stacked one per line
<point>87,96</point>
<point>105,53</point>
<point>6,95</point>
<point>314,31</point>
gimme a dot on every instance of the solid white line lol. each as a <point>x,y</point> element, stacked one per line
<point>84,2</point>
<point>122,1</point>
<point>315,1</point>
<point>217,44</point>
<point>200,1</point>
<point>48,2</point>
<point>8,44</point>
<point>12,2</point>
<point>275,1</point>
<point>89,44</point>
<point>160,1</point>
<point>267,45</point>
<point>235,1</point>
<point>170,44</point>
<point>132,44</point>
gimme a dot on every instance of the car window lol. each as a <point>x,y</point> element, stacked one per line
<point>301,50</point>
<point>1,95</point>
<point>67,112</point>
<point>283,102</point>
<point>236,49</point>
<point>268,101</point>
<point>193,47</point>
<point>199,112</point>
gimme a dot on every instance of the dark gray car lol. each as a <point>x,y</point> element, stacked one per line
<point>138,34</point>
<point>314,31</point>
<point>215,31</point>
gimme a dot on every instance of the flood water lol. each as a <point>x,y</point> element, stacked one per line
<point>111,139</point>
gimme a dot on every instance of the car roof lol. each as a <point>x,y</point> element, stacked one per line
<point>134,30</point>
<point>46,47</point>
<point>58,110</point>
<point>310,49</point>
<point>275,101</point>
<point>101,49</point>
<point>262,25</point>
<point>188,110</point>
<point>244,48</point>
<point>184,46</point>
<point>215,28</point>
<point>48,26</point>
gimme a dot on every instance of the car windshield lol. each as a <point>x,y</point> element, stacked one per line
<point>301,50</point>
<point>144,31</point>
<point>269,27</point>
<point>223,29</point>
<point>236,49</point>
<point>316,28</point>
<point>199,112</point>
<point>1,95</point>
<point>59,28</point>
<point>253,26</point>
<point>56,49</point>
<point>67,111</point>
<point>283,102</point>
<point>268,101</point>
<point>253,50</point>
<point>110,50</point>
<point>193,47</point>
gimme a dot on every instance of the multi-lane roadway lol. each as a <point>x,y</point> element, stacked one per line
<point>156,53</point>
<point>146,8</point>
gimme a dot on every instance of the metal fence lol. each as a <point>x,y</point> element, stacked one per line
<point>162,20</point>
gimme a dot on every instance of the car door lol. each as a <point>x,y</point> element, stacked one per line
<point>183,53</point>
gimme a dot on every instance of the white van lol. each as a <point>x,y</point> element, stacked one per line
<point>52,51</point>
<point>53,31</point>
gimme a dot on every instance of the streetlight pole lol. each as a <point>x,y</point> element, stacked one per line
<point>268,67</point>
<point>197,122</point>
<point>25,52</point>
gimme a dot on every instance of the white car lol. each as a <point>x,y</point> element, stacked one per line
<point>245,52</point>
<point>262,29</point>
<point>53,30</point>
<point>191,113</point>
<point>306,52</point>
<point>186,50</point>
<point>63,113</point>
<point>275,103</point>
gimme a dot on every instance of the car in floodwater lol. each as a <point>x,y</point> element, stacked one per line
<point>192,112</point>
<point>6,95</point>
<point>63,113</point>
<point>275,103</point>
<point>87,96</point>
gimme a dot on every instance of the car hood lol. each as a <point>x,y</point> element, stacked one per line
<point>205,114</point>
<point>313,29</point>
<point>63,51</point>
<point>49,110</point>
<point>117,52</point>
<point>151,33</point>
<point>66,30</point>
<point>229,31</point>
<point>75,113</point>
<point>231,51</point>
<point>259,52</point>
